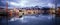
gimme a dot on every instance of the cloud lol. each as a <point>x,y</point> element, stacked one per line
<point>51,5</point>
<point>29,3</point>
<point>13,3</point>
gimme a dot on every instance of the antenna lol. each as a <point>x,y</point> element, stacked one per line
<point>6,6</point>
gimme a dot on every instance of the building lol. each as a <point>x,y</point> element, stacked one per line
<point>52,11</point>
<point>58,12</point>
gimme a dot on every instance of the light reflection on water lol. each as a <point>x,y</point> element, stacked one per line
<point>26,19</point>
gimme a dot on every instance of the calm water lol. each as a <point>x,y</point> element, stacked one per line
<point>31,20</point>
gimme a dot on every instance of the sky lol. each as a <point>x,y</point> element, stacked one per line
<point>28,3</point>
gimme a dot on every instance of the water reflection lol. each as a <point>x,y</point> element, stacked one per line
<point>26,18</point>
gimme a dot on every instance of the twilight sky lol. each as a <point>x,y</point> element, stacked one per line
<point>28,3</point>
